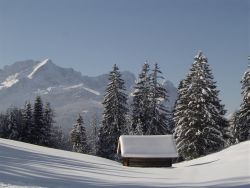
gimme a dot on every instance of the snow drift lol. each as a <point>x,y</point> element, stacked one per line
<point>26,165</point>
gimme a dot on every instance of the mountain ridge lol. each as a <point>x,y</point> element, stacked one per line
<point>68,91</point>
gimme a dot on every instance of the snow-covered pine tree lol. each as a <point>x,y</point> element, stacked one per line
<point>242,128</point>
<point>141,116</point>
<point>48,118</point>
<point>233,124</point>
<point>114,115</point>
<point>200,125</point>
<point>4,131</point>
<point>181,105</point>
<point>38,120</point>
<point>93,133</point>
<point>15,123</point>
<point>180,87</point>
<point>27,123</point>
<point>58,139</point>
<point>161,119</point>
<point>217,114</point>
<point>78,137</point>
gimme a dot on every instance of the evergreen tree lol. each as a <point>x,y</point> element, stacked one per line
<point>37,131</point>
<point>48,124</point>
<point>200,125</point>
<point>180,87</point>
<point>93,135</point>
<point>57,138</point>
<point>114,115</point>
<point>161,120</point>
<point>181,105</point>
<point>15,123</point>
<point>78,137</point>
<point>141,119</point>
<point>242,128</point>
<point>233,124</point>
<point>11,124</point>
<point>27,123</point>
<point>4,131</point>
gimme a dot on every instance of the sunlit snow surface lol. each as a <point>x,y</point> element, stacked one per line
<point>17,186</point>
<point>24,165</point>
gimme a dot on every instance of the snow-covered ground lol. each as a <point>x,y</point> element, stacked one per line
<point>25,165</point>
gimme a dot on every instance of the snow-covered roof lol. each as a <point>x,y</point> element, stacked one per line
<point>147,146</point>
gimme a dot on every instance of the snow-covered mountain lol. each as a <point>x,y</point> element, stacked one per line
<point>29,166</point>
<point>68,91</point>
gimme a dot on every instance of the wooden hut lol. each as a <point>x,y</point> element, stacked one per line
<point>147,150</point>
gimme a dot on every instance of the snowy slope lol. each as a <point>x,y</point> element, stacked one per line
<point>25,165</point>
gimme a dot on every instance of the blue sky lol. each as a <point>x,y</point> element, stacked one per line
<point>91,35</point>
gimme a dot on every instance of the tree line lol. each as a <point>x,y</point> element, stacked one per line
<point>32,124</point>
<point>197,122</point>
<point>147,115</point>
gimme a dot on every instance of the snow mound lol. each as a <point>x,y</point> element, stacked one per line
<point>25,165</point>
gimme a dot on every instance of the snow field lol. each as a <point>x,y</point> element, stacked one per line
<point>25,165</point>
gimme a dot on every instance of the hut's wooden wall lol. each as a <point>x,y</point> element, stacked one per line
<point>147,162</point>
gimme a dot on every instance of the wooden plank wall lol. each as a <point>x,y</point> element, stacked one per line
<point>147,162</point>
